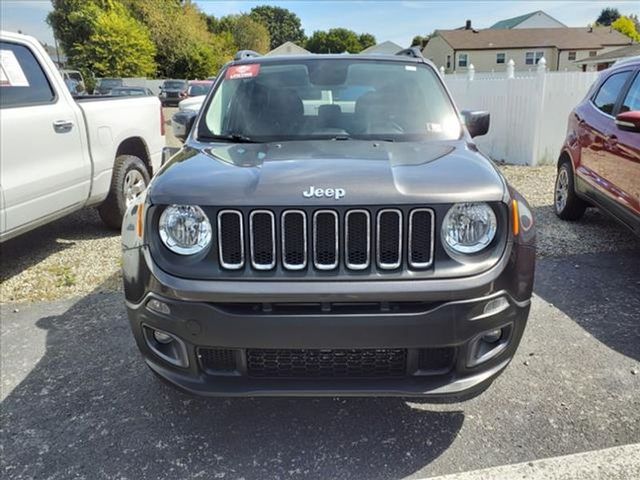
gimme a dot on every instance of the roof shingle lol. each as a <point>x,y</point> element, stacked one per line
<point>561,38</point>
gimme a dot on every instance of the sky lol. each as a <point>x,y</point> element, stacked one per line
<point>398,21</point>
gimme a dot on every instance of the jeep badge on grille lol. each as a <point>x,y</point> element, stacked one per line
<point>336,193</point>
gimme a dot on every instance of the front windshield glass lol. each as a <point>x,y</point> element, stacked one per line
<point>332,98</point>
<point>176,84</point>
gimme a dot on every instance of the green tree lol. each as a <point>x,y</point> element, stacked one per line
<point>71,22</point>
<point>247,33</point>
<point>420,41</point>
<point>337,40</point>
<point>283,25</point>
<point>185,47</point>
<point>627,27</point>
<point>103,38</point>
<point>366,40</point>
<point>608,16</point>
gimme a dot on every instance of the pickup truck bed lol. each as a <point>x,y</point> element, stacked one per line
<point>59,153</point>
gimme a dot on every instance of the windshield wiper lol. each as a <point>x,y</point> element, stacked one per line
<point>231,137</point>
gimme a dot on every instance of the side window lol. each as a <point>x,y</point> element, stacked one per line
<point>463,60</point>
<point>605,99</point>
<point>22,81</point>
<point>631,102</point>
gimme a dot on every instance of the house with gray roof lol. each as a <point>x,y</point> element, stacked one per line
<point>537,19</point>
<point>490,49</point>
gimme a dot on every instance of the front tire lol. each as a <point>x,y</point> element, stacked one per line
<point>130,178</point>
<point>567,205</point>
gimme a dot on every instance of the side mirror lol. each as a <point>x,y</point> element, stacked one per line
<point>629,121</point>
<point>181,123</point>
<point>477,122</point>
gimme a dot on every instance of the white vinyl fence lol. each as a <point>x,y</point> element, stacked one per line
<point>529,110</point>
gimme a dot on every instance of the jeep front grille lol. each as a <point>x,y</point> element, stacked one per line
<point>326,240</point>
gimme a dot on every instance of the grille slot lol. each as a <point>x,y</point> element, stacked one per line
<point>436,360</point>
<point>217,359</point>
<point>262,238</point>
<point>421,232</point>
<point>389,239</point>
<point>357,239</point>
<point>230,239</point>
<point>325,239</point>
<point>294,240</point>
<point>340,363</point>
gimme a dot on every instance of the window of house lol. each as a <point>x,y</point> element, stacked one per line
<point>24,83</point>
<point>448,62</point>
<point>532,58</point>
<point>572,55</point>
<point>605,99</point>
<point>500,58</point>
<point>593,53</point>
<point>463,60</point>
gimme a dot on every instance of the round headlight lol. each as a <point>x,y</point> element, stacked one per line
<point>469,227</point>
<point>185,229</point>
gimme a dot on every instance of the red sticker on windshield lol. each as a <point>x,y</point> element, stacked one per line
<point>243,71</point>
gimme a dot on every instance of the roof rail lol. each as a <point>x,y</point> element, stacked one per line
<point>411,52</point>
<point>246,54</point>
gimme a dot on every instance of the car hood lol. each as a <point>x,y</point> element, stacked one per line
<point>192,103</point>
<point>369,173</point>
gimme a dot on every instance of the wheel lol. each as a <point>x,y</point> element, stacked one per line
<point>130,178</point>
<point>567,205</point>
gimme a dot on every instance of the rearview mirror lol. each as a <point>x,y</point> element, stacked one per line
<point>629,121</point>
<point>476,121</point>
<point>181,123</point>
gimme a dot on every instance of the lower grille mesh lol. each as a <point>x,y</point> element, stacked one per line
<point>340,363</point>
<point>217,359</point>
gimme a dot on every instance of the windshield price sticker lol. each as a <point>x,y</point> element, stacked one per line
<point>11,74</point>
<point>243,71</point>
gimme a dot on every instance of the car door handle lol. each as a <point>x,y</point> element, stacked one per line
<point>62,126</point>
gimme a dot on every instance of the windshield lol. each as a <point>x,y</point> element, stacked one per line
<point>110,82</point>
<point>174,84</point>
<point>199,89</point>
<point>127,91</point>
<point>332,98</point>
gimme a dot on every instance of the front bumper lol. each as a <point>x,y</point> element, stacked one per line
<point>412,316</point>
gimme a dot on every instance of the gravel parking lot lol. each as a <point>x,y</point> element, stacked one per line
<point>78,402</point>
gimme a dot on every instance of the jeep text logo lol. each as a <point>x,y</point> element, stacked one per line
<point>336,193</point>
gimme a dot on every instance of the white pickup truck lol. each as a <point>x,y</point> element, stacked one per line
<point>59,153</point>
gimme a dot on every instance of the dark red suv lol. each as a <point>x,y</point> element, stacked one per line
<point>600,160</point>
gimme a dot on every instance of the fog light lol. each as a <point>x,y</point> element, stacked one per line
<point>162,337</point>
<point>492,336</point>
<point>158,306</point>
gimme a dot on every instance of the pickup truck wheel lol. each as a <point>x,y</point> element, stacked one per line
<point>130,178</point>
<point>567,204</point>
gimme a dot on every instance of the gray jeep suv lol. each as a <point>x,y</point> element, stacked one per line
<point>329,228</point>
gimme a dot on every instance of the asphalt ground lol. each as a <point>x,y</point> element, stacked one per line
<point>78,402</point>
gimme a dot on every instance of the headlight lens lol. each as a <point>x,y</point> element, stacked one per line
<point>469,227</point>
<point>185,229</point>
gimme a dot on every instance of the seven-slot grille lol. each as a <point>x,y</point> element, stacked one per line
<point>323,239</point>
